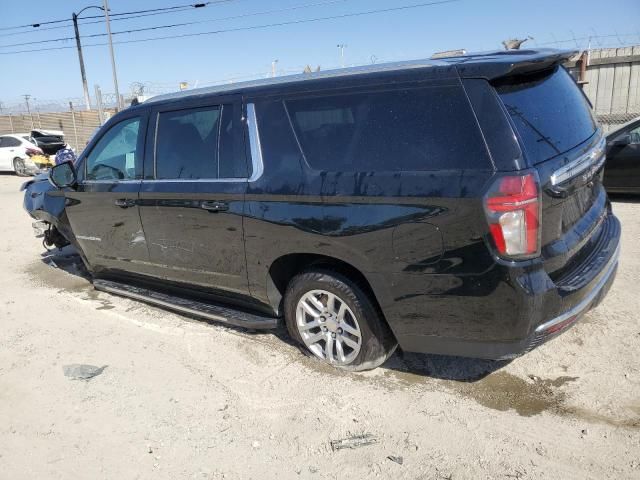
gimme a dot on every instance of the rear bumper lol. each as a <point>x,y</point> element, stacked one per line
<point>546,309</point>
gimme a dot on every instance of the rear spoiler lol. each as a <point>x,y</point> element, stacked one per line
<point>494,65</point>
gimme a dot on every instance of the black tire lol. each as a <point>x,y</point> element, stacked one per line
<point>378,342</point>
<point>19,167</point>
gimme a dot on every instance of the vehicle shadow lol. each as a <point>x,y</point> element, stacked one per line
<point>441,367</point>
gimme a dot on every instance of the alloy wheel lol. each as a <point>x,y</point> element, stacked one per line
<point>328,327</point>
<point>18,166</point>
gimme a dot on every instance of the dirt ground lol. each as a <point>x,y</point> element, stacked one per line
<point>181,398</point>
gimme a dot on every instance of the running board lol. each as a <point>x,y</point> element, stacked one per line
<point>217,313</point>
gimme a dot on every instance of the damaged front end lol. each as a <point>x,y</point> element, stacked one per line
<point>45,204</point>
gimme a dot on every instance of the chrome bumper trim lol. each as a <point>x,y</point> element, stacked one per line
<point>586,301</point>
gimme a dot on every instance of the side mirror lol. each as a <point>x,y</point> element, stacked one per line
<point>63,175</point>
<point>623,140</point>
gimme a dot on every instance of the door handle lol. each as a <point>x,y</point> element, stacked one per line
<point>125,203</point>
<point>213,206</point>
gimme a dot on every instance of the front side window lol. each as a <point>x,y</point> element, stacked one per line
<point>412,129</point>
<point>634,136</point>
<point>116,155</point>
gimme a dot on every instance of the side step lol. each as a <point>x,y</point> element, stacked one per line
<point>225,315</point>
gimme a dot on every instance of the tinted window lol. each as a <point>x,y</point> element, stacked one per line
<point>280,150</point>
<point>187,143</point>
<point>117,153</point>
<point>198,143</point>
<point>10,142</point>
<point>403,130</point>
<point>232,160</point>
<point>549,112</point>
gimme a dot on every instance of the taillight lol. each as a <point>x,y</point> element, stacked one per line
<point>513,211</point>
<point>33,151</point>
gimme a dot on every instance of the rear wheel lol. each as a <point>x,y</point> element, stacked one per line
<point>19,167</point>
<point>335,321</point>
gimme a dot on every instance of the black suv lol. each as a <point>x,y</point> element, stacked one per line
<point>452,206</point>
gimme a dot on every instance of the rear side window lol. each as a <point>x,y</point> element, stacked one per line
<point>549,111</point>
<point>198,143</point>
<point>187,143</point>
<point>10,142</point>
<point>413,129</point>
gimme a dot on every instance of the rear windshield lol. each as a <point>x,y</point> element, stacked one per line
<point>549,111</point>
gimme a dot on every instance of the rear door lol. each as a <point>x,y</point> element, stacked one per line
<point>192,198</point>
<point>103,210</point>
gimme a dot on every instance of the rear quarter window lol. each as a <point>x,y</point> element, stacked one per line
<point>409,129</point>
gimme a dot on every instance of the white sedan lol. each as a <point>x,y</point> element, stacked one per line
<point>16,151</point>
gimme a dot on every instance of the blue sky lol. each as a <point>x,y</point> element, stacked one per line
<point>207,59</point>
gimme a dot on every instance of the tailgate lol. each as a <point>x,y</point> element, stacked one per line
<point>561,140</point>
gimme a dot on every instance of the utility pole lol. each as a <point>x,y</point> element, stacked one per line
<point>113,58</point>
<point>341,46</point>
<point>273,67</point>
<point>26,100</point>
<point>85,88</point>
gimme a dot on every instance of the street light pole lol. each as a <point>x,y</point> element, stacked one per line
<point>113,59</point>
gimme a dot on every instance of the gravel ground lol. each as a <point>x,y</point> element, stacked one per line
<point>181,398</point>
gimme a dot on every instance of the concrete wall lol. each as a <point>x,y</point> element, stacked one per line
<point>76,134</point>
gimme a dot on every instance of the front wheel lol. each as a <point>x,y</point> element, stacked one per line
<point>19,167</point>
<point>336,321</point>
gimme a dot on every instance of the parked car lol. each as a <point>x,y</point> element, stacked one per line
<point>50,141</point>
<point>622,172</point>
<point>17,154</point>
<point>452,206</point>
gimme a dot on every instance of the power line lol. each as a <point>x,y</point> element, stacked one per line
<point>50,22</point>
<point>132,17</point>
<point>183,24</point>
<point>253,27</point>
<point>590,37</point>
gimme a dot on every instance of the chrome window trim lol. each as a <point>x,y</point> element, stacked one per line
<point>193,180</point>
<point>85,182</point>
<point>591,160</point>
<point>254,143</point>
<point>207,180</point>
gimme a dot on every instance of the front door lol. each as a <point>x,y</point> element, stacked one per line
<point>103,210</point>
<point>192,197</point>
